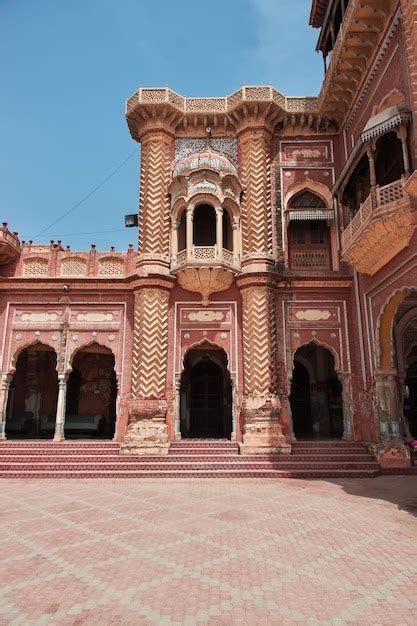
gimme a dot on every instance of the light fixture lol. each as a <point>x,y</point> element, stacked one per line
<point>131,220</point>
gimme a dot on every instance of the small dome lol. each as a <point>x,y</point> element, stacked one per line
<point>205,159</point>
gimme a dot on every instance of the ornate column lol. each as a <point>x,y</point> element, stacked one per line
<point>147,431</point>
<point>189,232</point>
<point>261,405</point>
<point>174,241</point>
<point>391,451</point>
<point>5,388</point>
<point>219,231</point>
<point>372,172</point>
<point>235,235</point>
<point>254,146</point>
<point>402,135</point>
<point>60,408</point>
<point>348,406</point>
<point>157,141</point>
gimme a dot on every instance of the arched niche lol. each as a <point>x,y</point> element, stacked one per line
<point>33,393</point>
<point>206,396</point>
<point>91,399</point>
<point>316,396</point>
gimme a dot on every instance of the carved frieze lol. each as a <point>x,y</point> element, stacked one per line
<point>223,145</point>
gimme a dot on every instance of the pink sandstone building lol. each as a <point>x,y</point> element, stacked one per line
<point>273,294</point>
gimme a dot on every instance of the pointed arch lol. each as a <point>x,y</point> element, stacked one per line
<point>325,345</point>
<point>307,184</point>
<point>384,347</point>
<point>29,344</point>
<point>199,345</point>
<point>102,347</point>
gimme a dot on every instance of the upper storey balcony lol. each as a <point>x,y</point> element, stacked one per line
<point>379,200</point>
<point>350,32</point>
<point>10,246</point>
<point>205,234</point>
<point>382,227</point>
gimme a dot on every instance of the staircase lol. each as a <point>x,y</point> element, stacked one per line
<point>190,458</point>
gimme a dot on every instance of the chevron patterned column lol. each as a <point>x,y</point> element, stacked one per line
<point>147,431</point>
<point>154,228</point>
<point>254,159</point>
<point>262,431</point>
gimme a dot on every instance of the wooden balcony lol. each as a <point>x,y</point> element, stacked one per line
<point>381,228</point>
<point>310,260</point>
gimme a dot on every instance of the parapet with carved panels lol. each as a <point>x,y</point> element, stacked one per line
<point>53,261</point>
<point>223,115</point>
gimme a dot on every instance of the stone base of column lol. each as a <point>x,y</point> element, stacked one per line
<point>262,432</point>
<point>58,438</point>
<point>146,438</point>
<point>147,433</point>
<point>392,455</point>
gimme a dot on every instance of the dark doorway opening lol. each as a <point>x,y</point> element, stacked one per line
<point>410,401</point>
<point>33,394</point>
<point>206,395</point>
<point>91,394</point>
<point>316,394</point>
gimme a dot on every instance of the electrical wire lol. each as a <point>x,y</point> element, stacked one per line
<point>93,232</point>
<point>87,196</point>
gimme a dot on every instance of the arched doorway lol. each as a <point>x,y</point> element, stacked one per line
<point>33,395</point>
<point>91,394</point>
<point>410,399</point>
<point>316,394</point>
<point>206,395</point>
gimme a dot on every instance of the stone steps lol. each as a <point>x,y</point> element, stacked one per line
<point>186,459</point>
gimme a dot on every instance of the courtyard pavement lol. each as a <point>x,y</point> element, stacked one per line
<point>212,551</point>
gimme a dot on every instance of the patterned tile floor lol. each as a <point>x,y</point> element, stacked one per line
<point>212,552</point>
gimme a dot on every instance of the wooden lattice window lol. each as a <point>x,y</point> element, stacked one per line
<point>35,267</point>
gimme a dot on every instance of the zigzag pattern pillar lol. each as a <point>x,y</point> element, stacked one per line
<point>154,210</point>
<point>147,431</point>
<point>262,432</point>
<point>254,158</point>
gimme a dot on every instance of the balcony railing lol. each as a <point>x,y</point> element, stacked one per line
<point>205,255</point>
<point>393,192</point>
<point>381,228</point>
<point>310,260</point>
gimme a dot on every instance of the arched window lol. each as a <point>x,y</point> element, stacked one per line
<point>358,186</point>
<point>204,225</point>
<point>389,162</point>
<point>306,200</point>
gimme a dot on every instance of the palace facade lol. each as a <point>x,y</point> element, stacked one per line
<point>273,293</point>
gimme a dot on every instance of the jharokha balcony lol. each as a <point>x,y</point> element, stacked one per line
<point>382,226</point>
<point>200,256</point>
<point>10,246</point>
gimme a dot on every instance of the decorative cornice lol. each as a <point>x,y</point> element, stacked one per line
<point>162,107</point>
<point>364,24</point>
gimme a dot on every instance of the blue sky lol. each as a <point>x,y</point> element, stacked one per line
<point>67,68</point>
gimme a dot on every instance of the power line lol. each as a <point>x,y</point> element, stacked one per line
<point>88,195</point>
<point>93,232</point>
